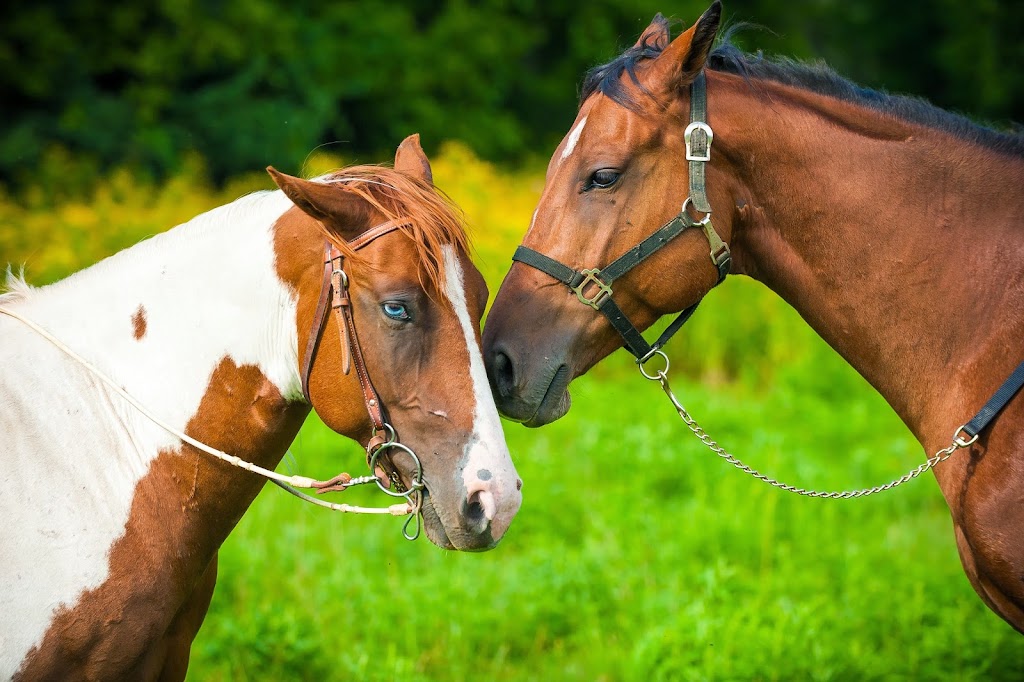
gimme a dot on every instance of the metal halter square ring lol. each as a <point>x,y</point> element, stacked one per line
<point>592,277</point>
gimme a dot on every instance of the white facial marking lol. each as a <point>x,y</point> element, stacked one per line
<point>486,448</point>
<point>574,137</point>
<point>72,453</point>
<point>533,221</point>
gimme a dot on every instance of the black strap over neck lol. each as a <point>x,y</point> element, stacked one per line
<point>593,286</point>
<point>997,402</point>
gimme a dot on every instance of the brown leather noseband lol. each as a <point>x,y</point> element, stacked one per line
<point>334,288</point>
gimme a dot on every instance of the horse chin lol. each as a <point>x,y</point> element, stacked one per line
<point>552,409</point>
<point>556,401</point>
<point>433,525</point>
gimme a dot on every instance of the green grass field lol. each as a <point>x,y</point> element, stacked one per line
<point>638,554</point>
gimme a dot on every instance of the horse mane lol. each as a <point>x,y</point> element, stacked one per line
<point>814,76</point>
<point>432,219</point>
<point>607,78</point>
<point>17,288</point>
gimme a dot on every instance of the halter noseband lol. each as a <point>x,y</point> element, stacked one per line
<point>698,136</point>
<point>334,287</point>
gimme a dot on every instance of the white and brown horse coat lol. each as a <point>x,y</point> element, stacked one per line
<point>110,525</point>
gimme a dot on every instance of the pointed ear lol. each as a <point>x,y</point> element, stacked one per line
<point>343,213</point>
<point>411,160</point>
<point>681,61</point>
<point>656,35</point>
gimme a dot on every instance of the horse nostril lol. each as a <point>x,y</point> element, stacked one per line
<point>502,373</point>
<point>478,510</point>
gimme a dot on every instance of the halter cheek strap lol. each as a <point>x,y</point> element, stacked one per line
<point>334,289</point>
<point>593,286</point>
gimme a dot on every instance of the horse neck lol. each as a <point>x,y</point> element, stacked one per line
<point>198,326</point>
<point>893,240</point>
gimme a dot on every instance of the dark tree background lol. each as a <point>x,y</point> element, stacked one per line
<point>249,82</point>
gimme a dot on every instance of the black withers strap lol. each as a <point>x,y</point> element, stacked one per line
<point>997,402</point>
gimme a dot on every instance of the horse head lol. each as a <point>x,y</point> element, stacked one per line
<point>411,342</point>
<point>619,173</point>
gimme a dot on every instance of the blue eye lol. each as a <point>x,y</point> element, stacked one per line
<point>395,310</point>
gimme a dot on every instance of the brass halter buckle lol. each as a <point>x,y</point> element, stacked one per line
<point>592,276</point>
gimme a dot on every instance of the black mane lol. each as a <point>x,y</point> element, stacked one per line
<point>814,76</point>
<point>607,78</point>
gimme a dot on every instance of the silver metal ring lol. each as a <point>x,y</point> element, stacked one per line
<point>389,429</point>
<point>703,221</point>
<point>414,517</point>
<point>650,356</point>
<point>417,479</point>
<point>959,441</point>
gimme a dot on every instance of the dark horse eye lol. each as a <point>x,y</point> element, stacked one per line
<point>606,177</point>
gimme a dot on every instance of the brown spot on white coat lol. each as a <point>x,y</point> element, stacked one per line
<point>139,323</point>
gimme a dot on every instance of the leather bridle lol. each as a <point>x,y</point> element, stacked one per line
<point>598,282</point>
<point>334,289</point>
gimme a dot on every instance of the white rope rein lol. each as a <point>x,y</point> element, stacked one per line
<point>289,483</point>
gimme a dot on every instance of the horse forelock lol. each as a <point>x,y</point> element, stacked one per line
<point>427,215</point>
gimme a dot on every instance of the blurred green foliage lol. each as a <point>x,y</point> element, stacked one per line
<point>246,83</point>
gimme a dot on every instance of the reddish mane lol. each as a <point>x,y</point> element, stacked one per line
<point>433,220</point>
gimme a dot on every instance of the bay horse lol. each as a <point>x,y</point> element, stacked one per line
<point>894,228</point>
<point>111,524</point>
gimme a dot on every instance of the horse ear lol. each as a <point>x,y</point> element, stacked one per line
<point>681,61</point>
<point>343,213</point>
<point>656,35</point>
<point>411,160</point>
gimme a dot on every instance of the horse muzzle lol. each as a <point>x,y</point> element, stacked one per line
<point>476,523</point>
<point>531,396</point>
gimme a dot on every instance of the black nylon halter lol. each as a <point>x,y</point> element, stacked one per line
<point>698,138</point>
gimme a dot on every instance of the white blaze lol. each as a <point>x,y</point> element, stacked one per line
<point>486,448</point>
<point>574,137</point>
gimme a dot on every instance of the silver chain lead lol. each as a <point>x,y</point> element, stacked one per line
<point>942,455</point>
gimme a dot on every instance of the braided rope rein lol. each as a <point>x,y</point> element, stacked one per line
<point>289,483</point>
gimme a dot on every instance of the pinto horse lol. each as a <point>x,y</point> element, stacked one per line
<point>894,228</point>
<point>111,525</point>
